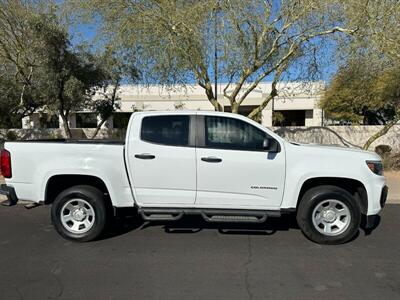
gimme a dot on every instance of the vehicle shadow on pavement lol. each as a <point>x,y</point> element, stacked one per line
<point>122,225</point>
<point>195,224</point>
<point>368,231</point>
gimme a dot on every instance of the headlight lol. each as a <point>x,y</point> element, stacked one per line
<point>375,166</point>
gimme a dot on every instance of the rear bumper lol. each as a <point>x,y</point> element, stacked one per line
<point>9,192</point>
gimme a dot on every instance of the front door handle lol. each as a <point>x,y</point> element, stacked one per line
<point>145,156</point>
<point>211,159</point>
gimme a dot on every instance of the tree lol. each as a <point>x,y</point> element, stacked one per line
<point>362,94</point>
<point>40,70</point>
<point>256,40</point>
<point>11,109</point>
<point>116,67</point>
<point>70,76</point>
<point>20,94</point>
<point>377,24</point>
<point>366,86</point>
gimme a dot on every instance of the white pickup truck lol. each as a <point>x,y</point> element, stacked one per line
<point>221,166</point>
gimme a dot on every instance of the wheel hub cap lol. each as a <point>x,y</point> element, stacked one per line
<point>79,214</point>
<point>329,216</point>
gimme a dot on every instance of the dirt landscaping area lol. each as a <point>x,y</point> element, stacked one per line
<point>393,182</point>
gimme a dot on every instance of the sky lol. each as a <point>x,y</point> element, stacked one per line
<point>86,33</point>
<point>83,33</point>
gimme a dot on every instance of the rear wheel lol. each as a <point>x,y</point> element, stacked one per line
<point>80,213</point>
<point>329,215</point>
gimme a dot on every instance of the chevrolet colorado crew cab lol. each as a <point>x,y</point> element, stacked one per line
<point>221,166</point>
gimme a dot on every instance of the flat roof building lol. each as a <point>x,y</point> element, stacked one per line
<point>295,105</point>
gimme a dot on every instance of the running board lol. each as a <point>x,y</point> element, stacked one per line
<point>156,214</point>
<point>209,215</point>
<point>236,217</point>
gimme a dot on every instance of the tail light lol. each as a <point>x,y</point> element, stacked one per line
<point>5,163</point>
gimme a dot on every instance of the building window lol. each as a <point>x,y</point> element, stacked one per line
<point>49,121</point>
<point>289,118</point>
<point>86,120</point>
<point>121,120</point>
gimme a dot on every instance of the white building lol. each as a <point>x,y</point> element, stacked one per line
<point>297,104</point>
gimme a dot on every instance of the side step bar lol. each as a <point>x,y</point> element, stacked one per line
<point>209,215</point>
<point>237,217</point>
<point>156,214</point>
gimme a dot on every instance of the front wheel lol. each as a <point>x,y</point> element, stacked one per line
<point>80,213</point>
<point>329,215</point>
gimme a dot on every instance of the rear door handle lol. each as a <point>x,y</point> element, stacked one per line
<point>211,159</point>
<point>145,156</point>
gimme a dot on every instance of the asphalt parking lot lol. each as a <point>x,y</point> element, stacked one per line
<point>193,260</point>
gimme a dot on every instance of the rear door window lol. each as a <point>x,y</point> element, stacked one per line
<point>166,130</point>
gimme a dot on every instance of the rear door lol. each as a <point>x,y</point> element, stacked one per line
<point>162,160</point>
<point>233,169</point>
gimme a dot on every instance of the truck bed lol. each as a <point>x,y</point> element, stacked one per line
<point>35,162</point>
<point>74,141</point>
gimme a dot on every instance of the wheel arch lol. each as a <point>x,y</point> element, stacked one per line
<point>58,183</point>
<point>353,186</point>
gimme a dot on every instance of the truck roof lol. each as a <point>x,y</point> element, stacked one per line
<point>188,112</point>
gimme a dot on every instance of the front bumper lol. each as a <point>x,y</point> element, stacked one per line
<point>9,192</point>
<point>384,195</point>
<point>371,222</point>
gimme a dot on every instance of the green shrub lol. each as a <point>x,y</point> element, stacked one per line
<point>11,136</point>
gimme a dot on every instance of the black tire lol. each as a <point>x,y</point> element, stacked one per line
<point>87,194</point>
<point>318,195</point>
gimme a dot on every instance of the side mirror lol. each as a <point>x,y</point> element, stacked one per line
<point>271,145</point>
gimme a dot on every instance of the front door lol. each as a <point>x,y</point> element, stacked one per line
<point>162,160</point>
<point>233,169</point>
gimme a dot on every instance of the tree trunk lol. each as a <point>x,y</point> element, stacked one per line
<point>96,132</point>
<point>381,133</point>
<point>235,108</point>
<point>255,113</point>
<point>216,104</point>
<point>210,96</point>
<point>67,130</point>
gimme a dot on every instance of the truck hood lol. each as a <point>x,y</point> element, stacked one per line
<point>338,148</point>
